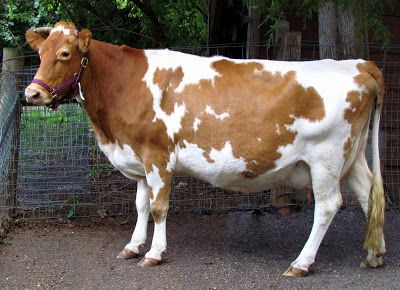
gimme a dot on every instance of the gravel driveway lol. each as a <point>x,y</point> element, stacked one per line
<point>236,250</point>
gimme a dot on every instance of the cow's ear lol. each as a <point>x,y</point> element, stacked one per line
<point>35,37</point>
<point>84,40</point>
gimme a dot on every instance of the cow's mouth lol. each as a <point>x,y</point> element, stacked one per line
<point>55,104</point>
<point>57,101</point>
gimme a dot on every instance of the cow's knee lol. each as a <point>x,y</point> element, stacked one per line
<point>158,211</point>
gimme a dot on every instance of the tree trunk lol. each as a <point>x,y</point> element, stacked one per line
<point>352,31</point>
<point>280,31</point>
<point>343,32</point>
<point>158,28</point>
<point>253,33</point>
<point>327,31</point>
<point>361,31</point>
<point>346,32</point>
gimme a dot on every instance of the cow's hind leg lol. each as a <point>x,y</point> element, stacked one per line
<point>360,181</point>
<point>328,200</point>
<point>139,235</point>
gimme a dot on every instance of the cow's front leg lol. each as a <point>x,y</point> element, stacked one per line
<point>139,235</point>
<point>159,182</point>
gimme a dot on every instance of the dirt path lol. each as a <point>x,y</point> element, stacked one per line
<point>236,250</point>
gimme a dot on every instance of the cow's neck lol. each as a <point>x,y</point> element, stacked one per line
<point>112,85</point>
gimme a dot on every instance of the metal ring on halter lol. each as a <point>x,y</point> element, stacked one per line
<point>54,93</point>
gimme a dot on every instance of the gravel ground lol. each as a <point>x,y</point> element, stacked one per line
<point>236,250</point>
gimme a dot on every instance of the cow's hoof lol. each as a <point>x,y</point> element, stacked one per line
<point>148,262</point>
<point>127,254</point>
<point>377,262</point>
<point>294,272</point>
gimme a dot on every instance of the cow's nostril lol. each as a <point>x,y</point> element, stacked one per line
<point>32,95</point>
<point>35,96</point>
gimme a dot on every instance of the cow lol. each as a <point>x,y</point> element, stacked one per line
<point>241,125</point>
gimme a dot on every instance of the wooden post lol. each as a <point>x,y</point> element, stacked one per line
<point>253,33</point>
<point>13,62</point>
<point>13,65</point>
<point>281,199</point>
<point>280,31</point>
<point>292,46</point>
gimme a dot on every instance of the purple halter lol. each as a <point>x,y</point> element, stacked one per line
<point>64,86</point>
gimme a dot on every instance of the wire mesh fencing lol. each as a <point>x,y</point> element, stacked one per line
<point>61,171</point>
<point>9,116</point>
<point>52,167</point>
<point>390,133</point>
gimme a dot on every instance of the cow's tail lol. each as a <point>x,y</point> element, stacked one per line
<point>374,242</point>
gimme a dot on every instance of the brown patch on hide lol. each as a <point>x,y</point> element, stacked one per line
<point>370,82</point>
<point>168,81</point>
<point>257,100</point>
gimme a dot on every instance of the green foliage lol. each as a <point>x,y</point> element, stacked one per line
<point>186,26</point>
<point>20,15</point>
<point>72,211</point>
<point>6,241</point>
<point>136,23</point>
<point>374,11</point>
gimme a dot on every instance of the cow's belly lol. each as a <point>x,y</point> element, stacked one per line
<point>225,171</point>
<point>221,170</point>
<point>124,159</point>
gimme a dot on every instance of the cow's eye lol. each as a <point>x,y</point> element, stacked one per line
<point>65,54</point>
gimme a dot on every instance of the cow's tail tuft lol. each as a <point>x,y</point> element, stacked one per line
<point>374,241</point>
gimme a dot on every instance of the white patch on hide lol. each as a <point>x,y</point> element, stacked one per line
<point>63,30</point>
<point>211,112</point>
<point>278,131</point>
<point>124,159</point>
<point>258,72</point>
<point>155,181</point>
<point>172,121</point>
<point>196,124</point>
<point>224,169</point>
<point>194,68</point>
<point>172,161</point>
<point>159,243</point>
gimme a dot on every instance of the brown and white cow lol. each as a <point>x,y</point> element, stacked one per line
<point>239,124</point>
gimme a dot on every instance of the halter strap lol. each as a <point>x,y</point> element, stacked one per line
<point>66,85</point>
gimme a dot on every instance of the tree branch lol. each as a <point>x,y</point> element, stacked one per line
<point>150,14</point>
<point>70,14</point>
<point>202,9</point>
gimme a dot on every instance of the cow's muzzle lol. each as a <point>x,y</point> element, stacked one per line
<point>36,97</point>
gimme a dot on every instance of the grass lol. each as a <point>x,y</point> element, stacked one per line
<point>59,136</point>
<point>45,129</point>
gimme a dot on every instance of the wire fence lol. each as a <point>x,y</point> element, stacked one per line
<point>52,167</point>
<point>9,116</point>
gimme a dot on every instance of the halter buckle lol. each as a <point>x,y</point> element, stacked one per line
<point>54,93</point>
<point>84,62</point>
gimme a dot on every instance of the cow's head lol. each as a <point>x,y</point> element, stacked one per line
<point>61,50</point>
